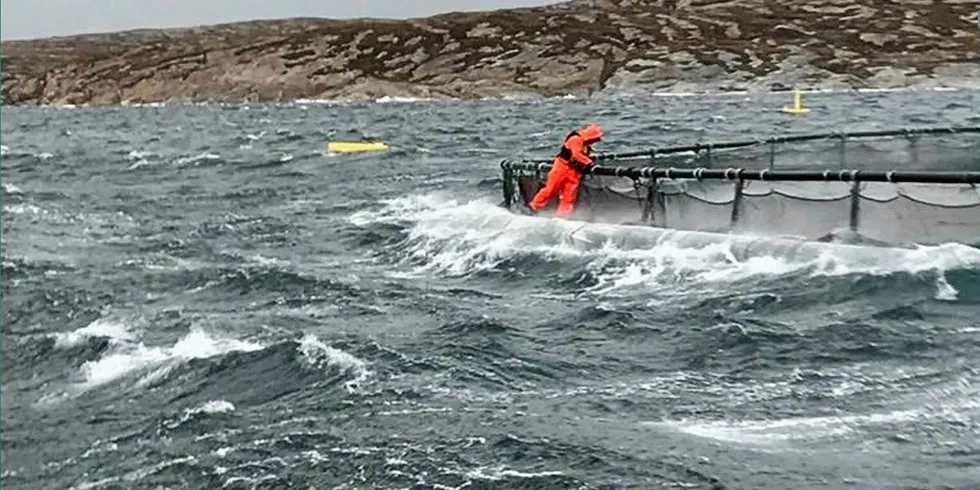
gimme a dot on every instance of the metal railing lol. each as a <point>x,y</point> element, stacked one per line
<point>704,151</point>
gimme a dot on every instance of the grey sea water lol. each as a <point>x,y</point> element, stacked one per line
<point>198,296</point>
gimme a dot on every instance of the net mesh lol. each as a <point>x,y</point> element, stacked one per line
<point>893,213</point>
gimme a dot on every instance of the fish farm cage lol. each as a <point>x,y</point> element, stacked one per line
<point>895,186</point>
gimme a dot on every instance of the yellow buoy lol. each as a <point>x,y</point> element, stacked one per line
<point>797,105</point>
<point>354,146</point>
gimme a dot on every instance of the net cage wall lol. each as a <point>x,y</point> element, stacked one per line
<point>893,212</point>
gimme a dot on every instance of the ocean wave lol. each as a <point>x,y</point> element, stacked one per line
<point>376,321</point>
<point>438,234</point>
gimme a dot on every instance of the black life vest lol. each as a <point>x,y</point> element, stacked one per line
<point>566,153</point>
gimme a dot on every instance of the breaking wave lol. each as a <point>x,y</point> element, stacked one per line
<point>434,233</point>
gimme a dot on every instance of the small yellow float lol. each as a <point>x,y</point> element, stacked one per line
<point>355,146</point>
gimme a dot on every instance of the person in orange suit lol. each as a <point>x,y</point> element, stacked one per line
<point>566,171</point>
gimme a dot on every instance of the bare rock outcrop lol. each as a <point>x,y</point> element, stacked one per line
<point>577,47</point>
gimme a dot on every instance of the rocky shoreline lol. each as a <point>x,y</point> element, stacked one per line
<point>579,47</point>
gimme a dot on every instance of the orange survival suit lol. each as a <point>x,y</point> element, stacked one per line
<point>566,171</point>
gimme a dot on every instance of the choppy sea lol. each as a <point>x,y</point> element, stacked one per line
<point>199,296</point>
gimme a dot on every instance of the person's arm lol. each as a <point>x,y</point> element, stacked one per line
<point>577,146</point>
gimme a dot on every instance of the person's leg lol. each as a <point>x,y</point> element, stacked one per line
<point>569,194</point>
<point>551,188</point>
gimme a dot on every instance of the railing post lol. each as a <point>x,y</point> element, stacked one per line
<point>508,184</point>
<point>658,202</point>
<point>855,205</point>
<point>772,153</point>
<point>913,143</point>
<point>647,216</point>
<point>736,203</point>
<point>843,149</point>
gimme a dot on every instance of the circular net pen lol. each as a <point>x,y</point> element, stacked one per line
<point>904,186</point>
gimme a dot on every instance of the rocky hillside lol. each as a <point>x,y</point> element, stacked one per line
<point>579,47</point>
